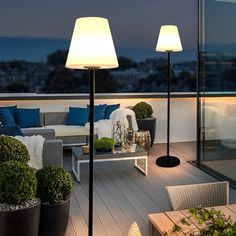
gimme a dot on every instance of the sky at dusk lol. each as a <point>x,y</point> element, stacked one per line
<point>134,23</point>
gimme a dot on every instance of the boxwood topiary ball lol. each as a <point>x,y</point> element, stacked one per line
<point>142,110</point>
<point>104,143</point>
<point>18,182</point>
<point>12,149</point>
<point>54,184</point>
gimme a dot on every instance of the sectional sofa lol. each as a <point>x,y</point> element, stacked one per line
<point>54,125</point>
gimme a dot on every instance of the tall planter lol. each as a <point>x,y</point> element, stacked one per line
<point>54,219</point>
<point>148,124</point>
<point>22,222</point>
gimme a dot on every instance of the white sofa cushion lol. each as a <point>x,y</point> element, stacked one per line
<point>69,130</point>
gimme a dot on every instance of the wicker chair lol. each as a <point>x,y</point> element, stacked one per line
<point>207,194</point>
<point>134,230</point>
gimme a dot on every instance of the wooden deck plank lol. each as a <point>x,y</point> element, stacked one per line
<point>70,230</point>
<point>104,214</point>
<point>124,203</point>
<point>117,212</point>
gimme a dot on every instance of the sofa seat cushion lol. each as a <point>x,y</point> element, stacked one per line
<point>68,130</point>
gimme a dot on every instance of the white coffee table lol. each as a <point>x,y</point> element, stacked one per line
<point>134,153</point>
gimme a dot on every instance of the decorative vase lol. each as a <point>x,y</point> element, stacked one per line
<point>143,139</point>
<point>150,125</point>
<point>129,138</point>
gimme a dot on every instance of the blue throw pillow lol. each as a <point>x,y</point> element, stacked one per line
<point>28,117</point>
<point>99,112</point>
<point>77,116</point>
<point>110,109</point>
<point>6,117</point>
<point>12,110</point>
<point>11,130</point>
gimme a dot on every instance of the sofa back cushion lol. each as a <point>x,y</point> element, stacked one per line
<point>6,118</point>
<point>28,117</point>
<point>109,109</point>
<point>11,109</point>
<point>55,118</point>
<point>77,116</point>
<point>99,111</point>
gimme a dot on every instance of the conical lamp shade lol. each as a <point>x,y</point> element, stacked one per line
<point>169,39</point>
<point>91,45</point>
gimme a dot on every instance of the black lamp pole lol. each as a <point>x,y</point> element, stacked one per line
<point>168,161</point>
<point>91,146</point>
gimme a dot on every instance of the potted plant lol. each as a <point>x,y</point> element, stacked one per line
<point>143,112</point>
<point>19,209</point>
<point>54,190</point>
<point>12,149</point>
<point>104,144</point>
<point>213,223</point>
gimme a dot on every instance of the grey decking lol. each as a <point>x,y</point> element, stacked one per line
<point>123,195</point>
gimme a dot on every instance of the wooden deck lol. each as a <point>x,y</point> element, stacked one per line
<point>123,195</point>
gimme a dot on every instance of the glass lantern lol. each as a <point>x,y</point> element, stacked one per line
<point>119,134</point>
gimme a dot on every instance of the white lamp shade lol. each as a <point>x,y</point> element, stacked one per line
<point>91,45</point>
<point>169,39</point>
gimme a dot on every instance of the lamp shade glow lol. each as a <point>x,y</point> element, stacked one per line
<point>169,39</point>
<point>91,45</point>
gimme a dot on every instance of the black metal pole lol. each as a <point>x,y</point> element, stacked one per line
<point>91,148</point>
<point>168,105</point>
<point>167,160</point>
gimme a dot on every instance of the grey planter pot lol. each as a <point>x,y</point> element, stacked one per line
<point>22,222</point>
<point>54,219</point>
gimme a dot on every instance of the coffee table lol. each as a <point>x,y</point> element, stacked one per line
<point>134,153</point>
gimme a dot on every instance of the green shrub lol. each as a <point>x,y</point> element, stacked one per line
<point>18,182</point>
<point>104,143</point>
<point>54,184</point>
<point>142,110</point>
<point>12,149</point>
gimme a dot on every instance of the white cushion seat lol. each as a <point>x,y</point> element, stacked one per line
<point>69,130</point>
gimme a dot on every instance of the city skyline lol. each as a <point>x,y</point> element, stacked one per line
<point>134,24</point>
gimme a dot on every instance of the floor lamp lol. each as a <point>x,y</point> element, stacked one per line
<point>91,48</point>
<point>168,41</point>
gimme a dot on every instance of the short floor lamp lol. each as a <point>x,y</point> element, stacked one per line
<point>91,48</point>
<point>168,41</point>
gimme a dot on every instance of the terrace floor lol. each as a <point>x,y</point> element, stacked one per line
<point>123,195</point>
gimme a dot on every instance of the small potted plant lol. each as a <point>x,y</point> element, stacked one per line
<point>104,144</point>
<point>19,208</point>
<point>54,190</point>
<point>143,112</point>
<point>12,149</point>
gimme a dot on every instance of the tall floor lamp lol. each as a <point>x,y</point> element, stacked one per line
<point>168,41</point>
<point>91,48</point>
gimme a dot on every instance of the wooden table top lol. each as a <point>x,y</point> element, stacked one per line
<point>163,222</point>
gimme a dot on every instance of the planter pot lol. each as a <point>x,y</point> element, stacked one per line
<point>22,222</point>
<point>150,125</point>
<point>54,219</point>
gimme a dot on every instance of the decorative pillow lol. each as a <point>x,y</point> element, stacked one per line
<point>28,117</point>
<point>110,109</point>
<point>99,112</point>
<point>6,118</point>
<point>12,110</point>
<point>11,130</point>
<point>77,116</point>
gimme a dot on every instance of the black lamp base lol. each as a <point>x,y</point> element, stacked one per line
<point>167,161</point>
